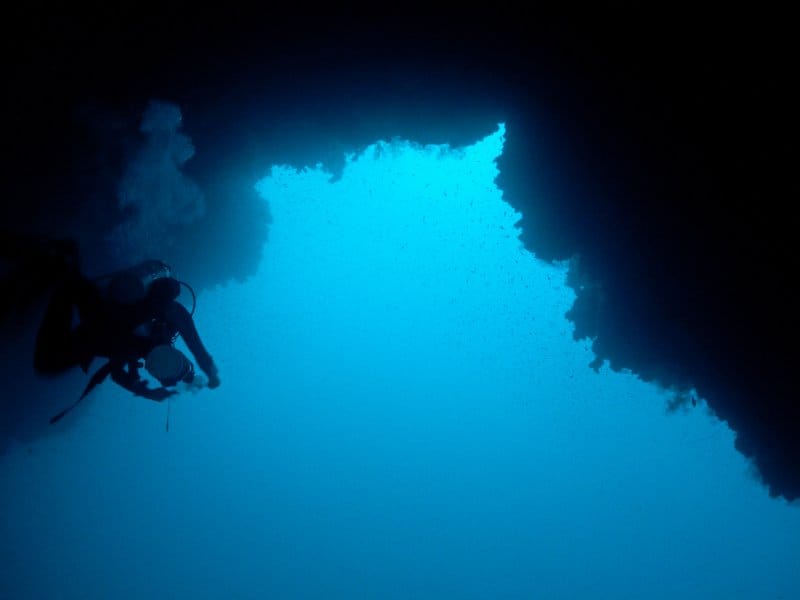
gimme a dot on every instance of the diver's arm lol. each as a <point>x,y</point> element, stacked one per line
<point>137,386</point>
<point>181,320</point>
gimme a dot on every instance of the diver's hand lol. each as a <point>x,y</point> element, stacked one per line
<point>157,394</point>
<point>213,380</point>
<point>138,386</point>
<point>213,376</point>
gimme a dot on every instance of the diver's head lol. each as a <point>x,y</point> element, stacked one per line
<point>163,290</point>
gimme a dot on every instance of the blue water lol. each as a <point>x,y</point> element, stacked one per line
<point>403,414</point>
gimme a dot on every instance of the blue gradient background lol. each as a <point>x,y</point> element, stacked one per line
<point>403,414</point>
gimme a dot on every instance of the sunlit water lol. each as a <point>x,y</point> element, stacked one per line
<point>403,414</point>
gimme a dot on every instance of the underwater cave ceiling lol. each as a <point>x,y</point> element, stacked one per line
<point>662,169</point>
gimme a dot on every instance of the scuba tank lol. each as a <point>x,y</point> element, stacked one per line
<point>128,286</point>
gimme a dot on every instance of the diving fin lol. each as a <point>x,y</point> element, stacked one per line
<point>98,378</point>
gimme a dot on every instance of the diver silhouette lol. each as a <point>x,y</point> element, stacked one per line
<point>131,318</point>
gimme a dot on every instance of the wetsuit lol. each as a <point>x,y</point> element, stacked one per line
<point>123,333</point>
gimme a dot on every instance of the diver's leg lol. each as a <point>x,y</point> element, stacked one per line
<point>53,351</point>
<point>59,345</point>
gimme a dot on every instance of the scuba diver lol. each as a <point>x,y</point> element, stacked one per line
<point>131,318</point>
